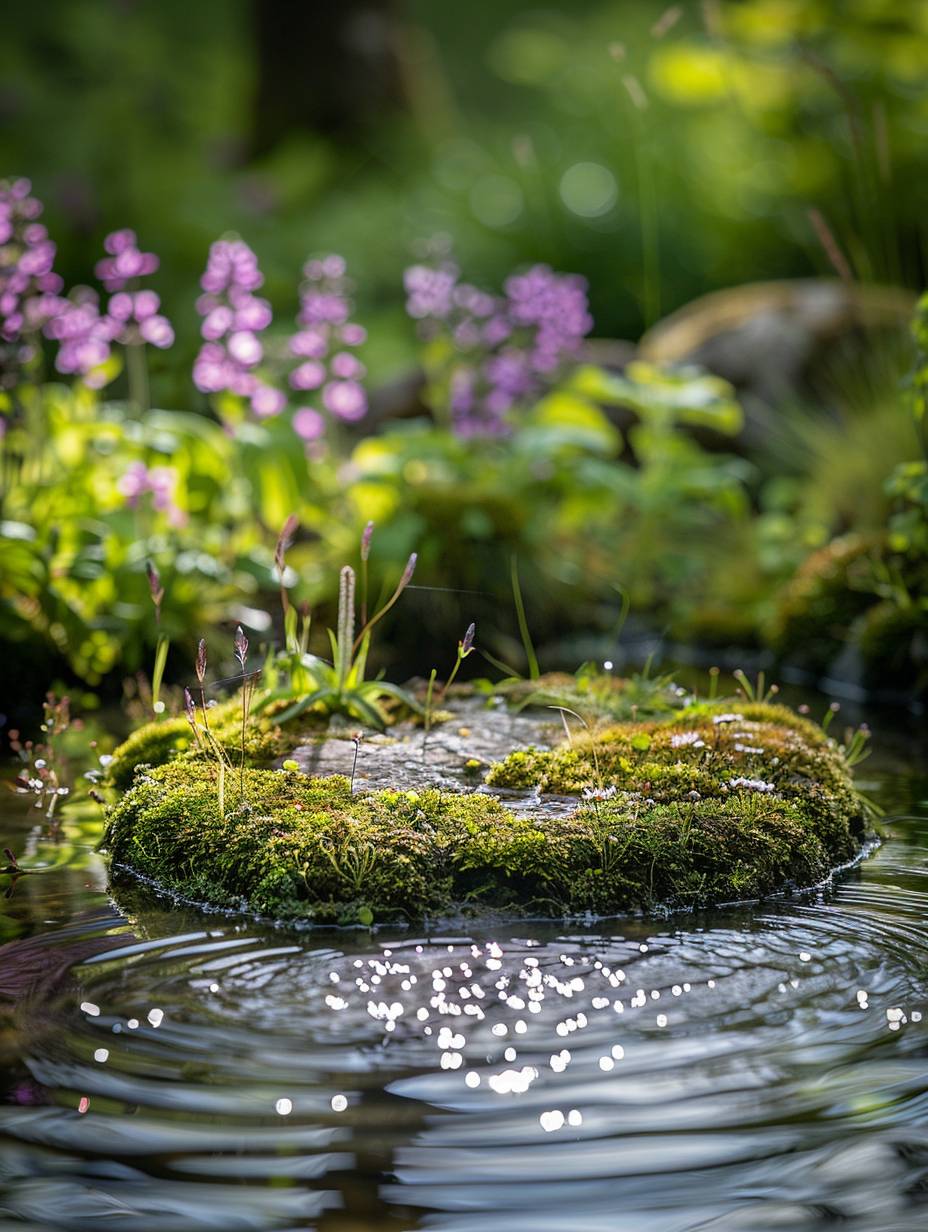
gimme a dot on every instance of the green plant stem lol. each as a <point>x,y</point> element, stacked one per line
<point>454,671</point>
<point>378,616</point>
<point>531,657</point>
<point>137,372</point>
<point>428,709</point>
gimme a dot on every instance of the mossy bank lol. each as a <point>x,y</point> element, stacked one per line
<point>711,806</point>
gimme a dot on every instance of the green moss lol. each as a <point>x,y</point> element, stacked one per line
<point>816,609</point>
<point>158,742</point>
<point>677,830</point>
<point>893,643</point>
<point>697,757</point>
<point>594,692</point>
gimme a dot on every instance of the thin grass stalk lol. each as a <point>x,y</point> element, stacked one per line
<point>378,616</point>
<point>527,645</point>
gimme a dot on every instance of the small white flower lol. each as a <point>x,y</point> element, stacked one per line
<point>686,739</point>
<point>753,784</point>
<point>727,718</point>
<point>599,793</point>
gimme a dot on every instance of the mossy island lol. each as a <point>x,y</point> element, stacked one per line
<point>703,804</point>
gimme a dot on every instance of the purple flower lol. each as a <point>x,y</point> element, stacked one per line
<point>509,349</point>
<point>309,344</point>
<point>308,376</point>
<point>267,401</point>
<point>84,336</point>
<point>345,399</point>
<point>308,423</point>
<point>245,348</point>
<point>160,482</point>
<point>125,261</point>
<point>136,312</point>
<point>233,317</point>
<point>29,288</point>
<point>347,366</point>
<point>321,344</point>
<point>430,291</point>
<point>157,331</point>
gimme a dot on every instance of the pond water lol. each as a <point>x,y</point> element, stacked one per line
<point>759,1068</point>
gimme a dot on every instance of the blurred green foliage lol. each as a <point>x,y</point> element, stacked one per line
<point>77,533</point>
<point>662,151</point>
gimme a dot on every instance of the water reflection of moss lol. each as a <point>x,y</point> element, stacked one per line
<point>686,812</point>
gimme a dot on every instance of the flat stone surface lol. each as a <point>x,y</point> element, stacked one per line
<point>405,759</point>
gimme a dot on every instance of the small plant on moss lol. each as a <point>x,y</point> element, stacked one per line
<point>340,687</point>
<point>601,694</point>
<point>297,625</point>
<point>755,691</point>
<point>465,647</point>
<point>353,862</point>
<point>248,685</point>
<point>156,589</point>
<point>205,739</point>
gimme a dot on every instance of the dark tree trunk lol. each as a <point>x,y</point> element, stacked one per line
<point>326,65</point>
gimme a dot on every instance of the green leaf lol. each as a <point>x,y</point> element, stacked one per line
<point>565,417</point>
<point>356,675</point>
<point>357,706</point>
<point>304,704</point>
<point>384,688</point>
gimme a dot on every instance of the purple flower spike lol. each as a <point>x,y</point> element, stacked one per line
<point>30,290</point>
<point>408,571</point>
<point>510,348</point>
<point>84,335</point>
<point>467,642</point>
<point>135,313</point>
<point>125,262</point>
<point>201,660</point>
<point>154,583</point>
<point>366,538</point>
<point>321,346</point>
<point>233,317</point>
<point>241,646</point>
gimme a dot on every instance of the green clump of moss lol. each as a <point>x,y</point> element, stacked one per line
<point>162,741</point>
<point>816,610</point>
<point>705,753</point>
<point>596,692</point>
<point>684,813</point>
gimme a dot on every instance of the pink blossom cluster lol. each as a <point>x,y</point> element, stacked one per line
<point>323,348</point>
<point>136,313</point>
<point>233,318</point>
<point>84,336</point>
<point>509,347</point>
<point>160,482</point>
<point>29,287</point>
